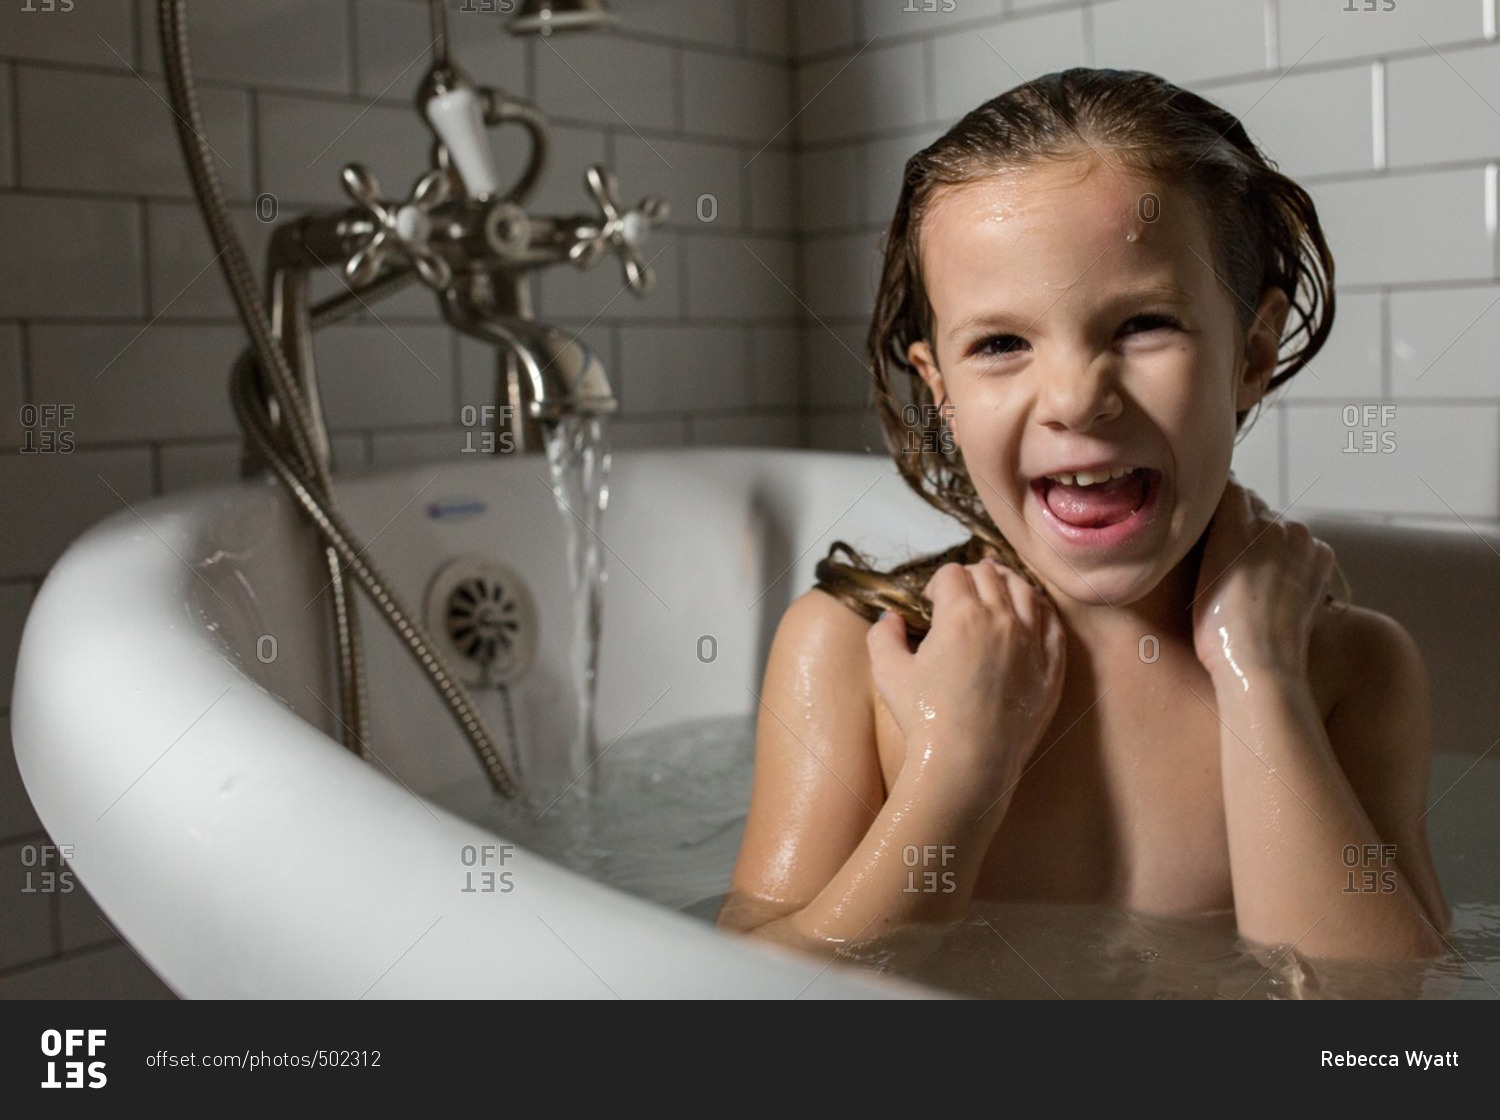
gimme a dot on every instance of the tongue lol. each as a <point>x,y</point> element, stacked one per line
<point>1094,507</point>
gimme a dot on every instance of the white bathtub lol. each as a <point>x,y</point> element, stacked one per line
<point>170,723</point>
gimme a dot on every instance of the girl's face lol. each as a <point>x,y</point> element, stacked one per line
<point>1094,364</point>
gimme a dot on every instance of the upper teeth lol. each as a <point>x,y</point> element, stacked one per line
<point>1089,478</point>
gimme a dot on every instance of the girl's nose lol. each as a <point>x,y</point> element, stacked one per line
<point>1078,396</point>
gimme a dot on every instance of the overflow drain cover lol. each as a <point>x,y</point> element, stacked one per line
<point>482,615</point>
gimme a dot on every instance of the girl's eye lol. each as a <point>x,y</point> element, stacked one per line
<point>1154,322</point>
<point>997,346</point>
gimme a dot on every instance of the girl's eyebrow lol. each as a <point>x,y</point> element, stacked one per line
<point>1001,319</point>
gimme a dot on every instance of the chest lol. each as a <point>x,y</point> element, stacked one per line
<point>1122,802</point>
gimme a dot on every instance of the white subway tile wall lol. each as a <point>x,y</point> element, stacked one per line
<point>744,278</point>
<point>702,183</point>
<point>710,368</point>
<point>12,385</point>
<point>71,257</point>
<point>245,42</point>
<point>131,146</point>
<point>747,430</point>
<point>835,357</point>
<point>48,497</point>
<point>773,206</point>
<point>883,164</point>
<point>7,112</point>
<point>973,64</point>
<point>26,919</point>
<point>1364,29</point>
<point>410,365</point>
<point>609,80</point>
<point>1269,107</point>
<point>570,152</point>
<point>15,601</point>
<point>830,195</point>
<point>304,141</point>
<point>823,27</point>
<point>127,385</point>
<point>744,99</point>
<point>393,448</point>
<point>1460,87</point>
<point>1432,226</point>
<point>778,132</point>
<point>1445,343</point>
<point>1350,366</point>
<point>93,35</point>
<point>17,816</point>
<point>186,279</point>
<point>1257,455</point>
<point>1184,41</point>
<point>80,923</point>
<point>1375,457</point>
<point>767,28</point>
<point>914,17</point>
<point>199,463</point>
<point>775,366</point>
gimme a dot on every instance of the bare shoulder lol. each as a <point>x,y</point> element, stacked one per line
<point>817,624</point>
<point>1360,656</point>
<point>818,692</point>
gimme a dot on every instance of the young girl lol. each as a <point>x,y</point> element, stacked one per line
<point>1131,686</point>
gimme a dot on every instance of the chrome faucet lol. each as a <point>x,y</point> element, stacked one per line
<point>469,239</point>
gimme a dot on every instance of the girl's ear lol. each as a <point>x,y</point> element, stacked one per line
<point>919,354</point>
<point>1262,349</point>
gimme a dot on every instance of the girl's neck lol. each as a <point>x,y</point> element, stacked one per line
<point>1166,611</point>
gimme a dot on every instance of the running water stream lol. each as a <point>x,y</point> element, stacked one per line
<point>578,454</point>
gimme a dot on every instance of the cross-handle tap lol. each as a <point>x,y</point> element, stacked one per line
<point>622,231</point>
<point>402,230</point>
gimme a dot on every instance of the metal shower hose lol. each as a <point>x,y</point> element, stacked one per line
<point>272,421</point>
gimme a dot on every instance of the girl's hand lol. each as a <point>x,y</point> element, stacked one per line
<point>976,696</point>
<point>1261,584</point>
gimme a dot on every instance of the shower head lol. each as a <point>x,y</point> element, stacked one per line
<point>542,17</point>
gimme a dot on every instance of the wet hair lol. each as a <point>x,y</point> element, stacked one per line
<point>1263,229</point>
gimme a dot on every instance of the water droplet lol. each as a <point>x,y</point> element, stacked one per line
<point>1130,237</point>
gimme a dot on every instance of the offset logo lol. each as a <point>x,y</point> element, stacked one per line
<point>73,1046</point>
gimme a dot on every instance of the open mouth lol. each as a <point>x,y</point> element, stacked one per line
<point>1096,499</point>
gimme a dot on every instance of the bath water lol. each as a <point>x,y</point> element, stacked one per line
<point>664,821</point>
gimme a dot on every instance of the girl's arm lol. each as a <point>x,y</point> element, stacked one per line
<point>829,856</point>
<point>1327,848</point>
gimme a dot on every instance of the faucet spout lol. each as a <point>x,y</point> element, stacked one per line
<point>565,375</point>
<point>544,373</point>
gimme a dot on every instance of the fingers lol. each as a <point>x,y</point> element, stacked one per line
<point>886,642</point>
<point>992,584</point>
<point>1012,590</point>
<point>1324,560</point>
<point>1241,501</point>
<point>950,579</point>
